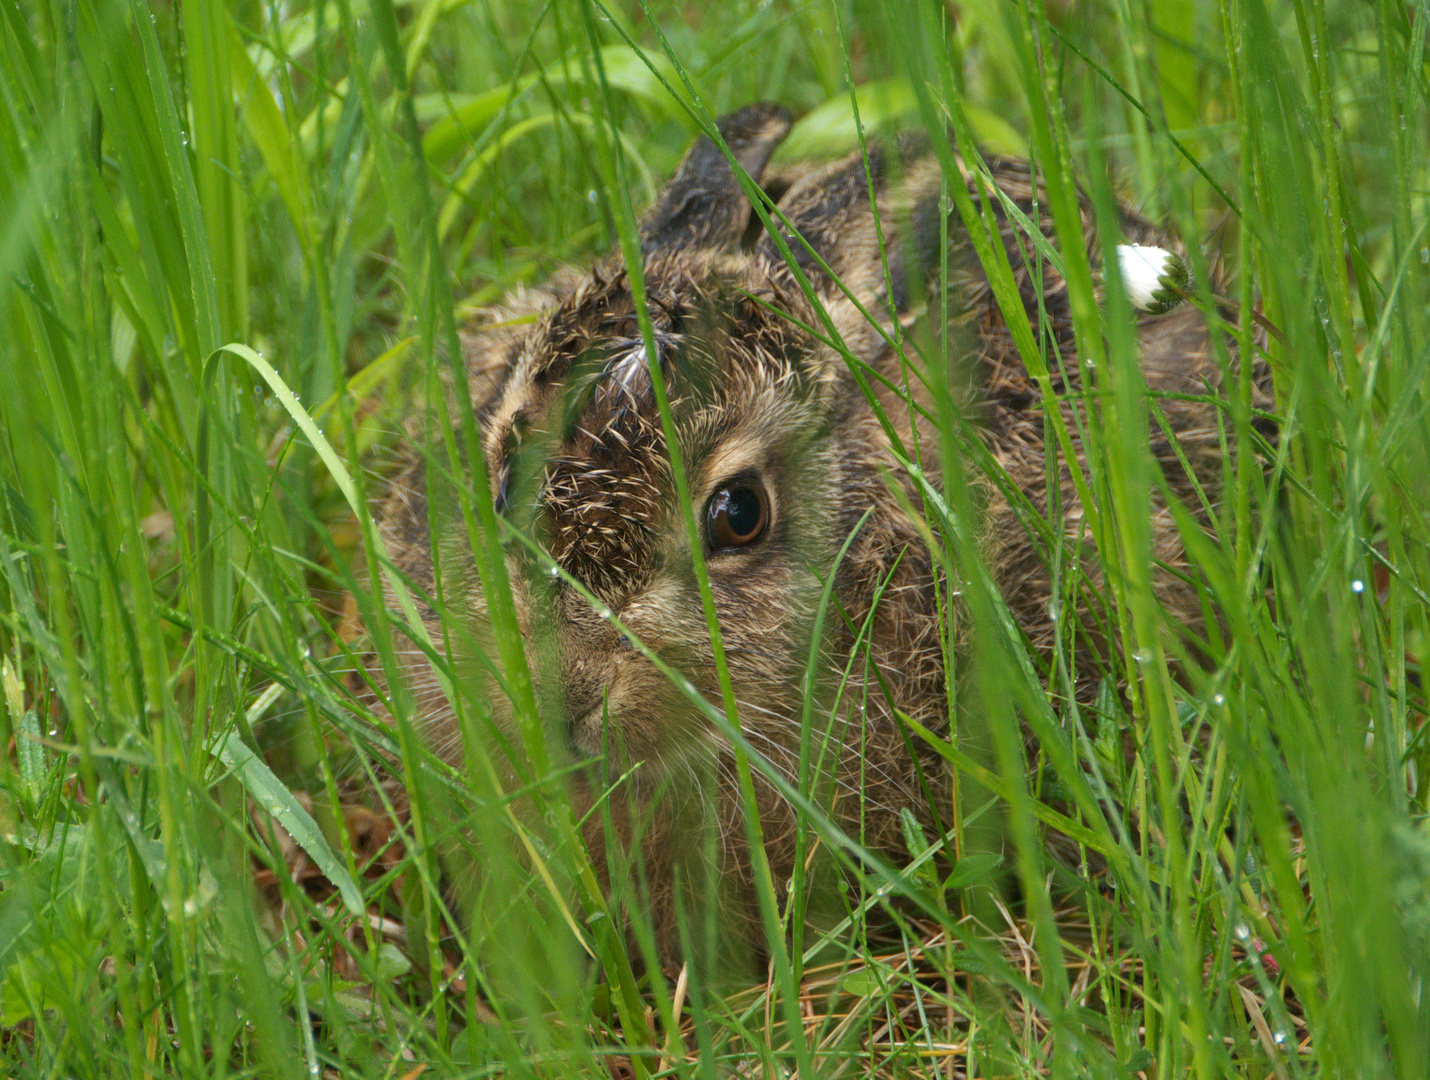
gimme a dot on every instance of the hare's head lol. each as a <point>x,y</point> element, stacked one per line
<point>798,423</point>
<point>782,456</point>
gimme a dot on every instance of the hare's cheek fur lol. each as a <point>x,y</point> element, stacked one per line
<point>617,705</point>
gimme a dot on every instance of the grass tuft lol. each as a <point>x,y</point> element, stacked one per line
<point>237,243</point>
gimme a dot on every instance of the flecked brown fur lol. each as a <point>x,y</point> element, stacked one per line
<point>576,451</point>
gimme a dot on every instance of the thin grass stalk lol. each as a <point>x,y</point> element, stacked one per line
<point>611,164</point>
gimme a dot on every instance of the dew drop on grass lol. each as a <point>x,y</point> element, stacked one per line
<point>1219,699</point>
<point>555,571</point>
<point>1279,1037</point>
<point>1143,656</point>
<point>1242,931</point>
<point>1357,586</point>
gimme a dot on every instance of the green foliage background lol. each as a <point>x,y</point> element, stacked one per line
<point>331,186</point>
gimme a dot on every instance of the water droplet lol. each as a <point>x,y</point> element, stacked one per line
<point>1242,931</point>
<point>1424,252</point>
<point>1279,1037</point>
<point>1219,699</point>
<point>1143,656</point>
<point>591,196</point>
<point>555,570</point>
<point>1357,586</point>
<point>604,612</point>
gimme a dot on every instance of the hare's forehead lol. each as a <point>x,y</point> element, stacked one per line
<point>587,366</point>
<point>596,438</point>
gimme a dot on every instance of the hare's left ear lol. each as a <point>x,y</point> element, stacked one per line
<point>704,206</point>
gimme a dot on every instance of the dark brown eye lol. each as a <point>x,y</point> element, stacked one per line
<point>738,515</point>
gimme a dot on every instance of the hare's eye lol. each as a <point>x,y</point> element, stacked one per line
<point>738,515</point>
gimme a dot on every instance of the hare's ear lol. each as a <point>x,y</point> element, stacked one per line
<point>881,261</point>
<point>704,206</point>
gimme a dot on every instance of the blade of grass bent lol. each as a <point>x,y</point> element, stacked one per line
<point>275,798</point>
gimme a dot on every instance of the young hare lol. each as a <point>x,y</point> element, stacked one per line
<point>792,477</point>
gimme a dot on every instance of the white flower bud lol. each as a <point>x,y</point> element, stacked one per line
<point>1156,280</point>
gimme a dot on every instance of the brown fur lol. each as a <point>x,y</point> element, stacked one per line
<point>573,441</point>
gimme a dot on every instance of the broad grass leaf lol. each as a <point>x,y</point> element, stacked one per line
<point>974,869</point>
<point>264,123</point>
<point>275,799</point>
<point>830,129</point>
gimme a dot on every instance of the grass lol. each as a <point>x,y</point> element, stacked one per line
<point>330,188</point>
